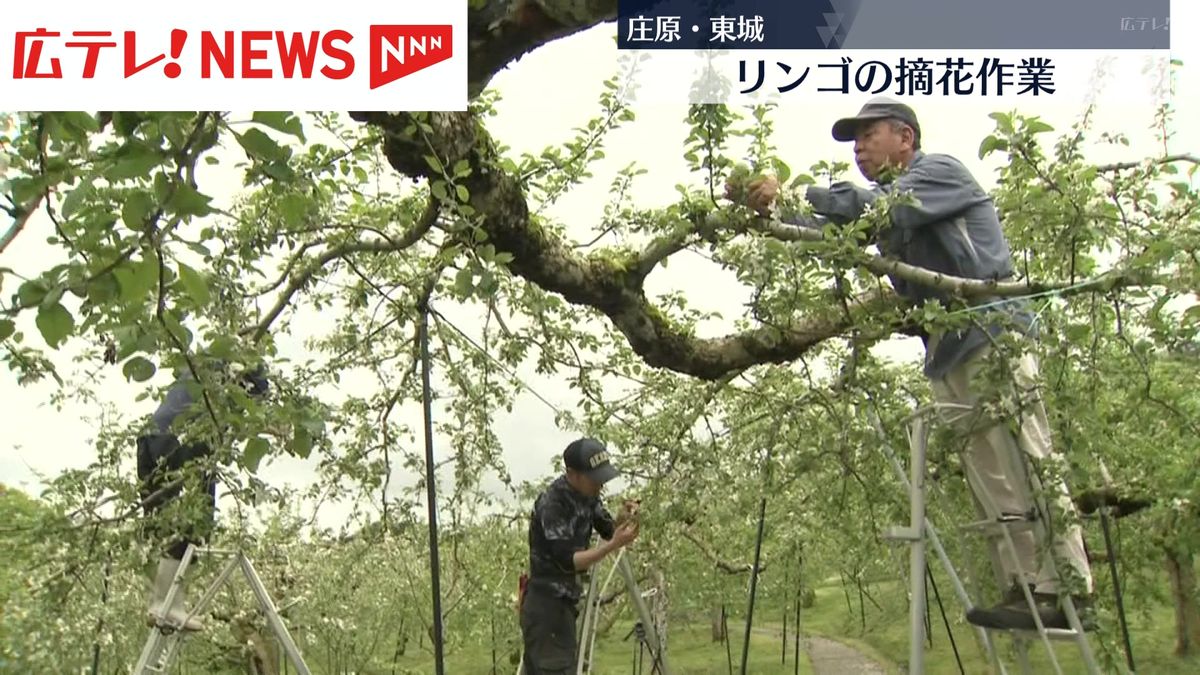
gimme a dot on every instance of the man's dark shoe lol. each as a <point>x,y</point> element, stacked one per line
<point>1012,613</point>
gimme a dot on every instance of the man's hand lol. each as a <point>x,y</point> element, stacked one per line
<point>758,193</point>
<point>630,510</point>
<point>625,534</point>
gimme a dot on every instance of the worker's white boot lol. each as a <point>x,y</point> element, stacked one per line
<point>167,567</point>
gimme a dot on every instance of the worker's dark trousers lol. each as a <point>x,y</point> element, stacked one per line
<point>159,460</point>
<point>548,626</point>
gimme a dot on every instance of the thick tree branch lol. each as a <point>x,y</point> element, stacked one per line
<point>20,215</point>
<point>958,285</point>
<point>502,31</point>
<point>659,250</point>
<point>594,281</point>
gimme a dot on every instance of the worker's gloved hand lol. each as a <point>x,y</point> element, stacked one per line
<point>757,191</point>
<point>625,533</point>
<point>630,511</point>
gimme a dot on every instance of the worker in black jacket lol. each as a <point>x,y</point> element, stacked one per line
<point>560,531</point>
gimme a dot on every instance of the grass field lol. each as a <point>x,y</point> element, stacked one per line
<point>885,639</point>
<point>886,634</point>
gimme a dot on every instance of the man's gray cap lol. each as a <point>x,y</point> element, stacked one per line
<point>878,108</point>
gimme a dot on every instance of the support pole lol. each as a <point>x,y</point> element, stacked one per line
<point>799,599</point>
<point>916,571</point>
<point>1116,578</point>
<point>762,516</point>
<point>431,496</point>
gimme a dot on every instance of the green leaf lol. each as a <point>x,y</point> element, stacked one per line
<point>439,190</point>
<point>188,202</point>
<point>1078,333</point>
<point>136,209</point>
<point>435,163</point>
<point>293,207</point>
<point>55,324</point>
<point>194,284</point>
<point>81,121</point>
<point>137,278</point>
<point>1190,315</point>
<point>7,328</point>
<point>75,197</point>
<point>463,194</point>
<point>258,145</point>
<point>314,424</point>
<point>32,292</point>
<point>178,330</point>
<point>162,187</point>
<point>102,289</point>
<point>488,284</point>
<point>1036,126</point>
<point>54,296</point>
<point>462,168</point>
<point>221,347</point>
<point>301,443</point>
<point>256,449</point>
<point>283,121</point>
<point>990,145</point>
<point>782,170</point>
<point>280,171</point>
<point>464,281</point>
<point>25,190</point>
<point>138,369</point>
<point>137,162</point>
<point>1003,121</point>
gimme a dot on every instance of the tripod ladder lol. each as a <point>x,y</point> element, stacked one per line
<point>587,634</point>
<point>165,640</point>
<point>649,634</point>
<point>996,526</point>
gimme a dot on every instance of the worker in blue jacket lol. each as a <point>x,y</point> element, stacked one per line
<point>166,465</point>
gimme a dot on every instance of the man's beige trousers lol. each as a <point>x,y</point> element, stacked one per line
<point>991,451</point>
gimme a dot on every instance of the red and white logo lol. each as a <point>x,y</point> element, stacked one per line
<point>231,54</point>
<point>397,51</point>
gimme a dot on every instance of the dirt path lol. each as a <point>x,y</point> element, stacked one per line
<point>830,657</point>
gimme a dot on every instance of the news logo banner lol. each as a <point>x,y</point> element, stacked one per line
<point>221,54</point>
<point>894,24</point>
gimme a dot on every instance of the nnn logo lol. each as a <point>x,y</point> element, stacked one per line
<point>397,51</point>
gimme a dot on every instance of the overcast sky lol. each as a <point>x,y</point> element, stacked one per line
<point>545,95</point>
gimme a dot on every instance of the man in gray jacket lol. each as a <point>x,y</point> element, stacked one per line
<point>953,228</point>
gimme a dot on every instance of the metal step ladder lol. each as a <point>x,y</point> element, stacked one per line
<point>165,640</point>
<point>586,639</point>
<point>647,634</point>
<point>995,526</point>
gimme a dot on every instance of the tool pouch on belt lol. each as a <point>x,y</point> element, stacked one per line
<point>522,586</point>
